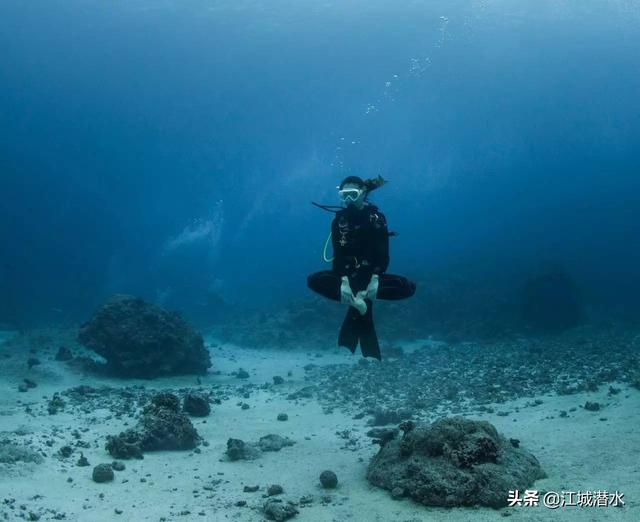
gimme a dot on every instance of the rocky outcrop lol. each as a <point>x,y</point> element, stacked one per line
<point>162,426</point>
<point>453,462</point>
<point>196,405</point>
<point>278,510</point>
<point>139,339</point>
<point>240,450</point>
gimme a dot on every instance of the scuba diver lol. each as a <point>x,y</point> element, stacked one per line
<point>360,240</point>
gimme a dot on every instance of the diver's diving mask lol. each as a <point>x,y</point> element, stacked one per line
<point>350,195</point>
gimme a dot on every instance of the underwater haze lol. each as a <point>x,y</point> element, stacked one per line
<point>184,336</point>
<point>173,148</point>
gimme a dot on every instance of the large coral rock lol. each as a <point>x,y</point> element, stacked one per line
<point>453,462</point>
<point>162,426</point>
<point>139,339</point>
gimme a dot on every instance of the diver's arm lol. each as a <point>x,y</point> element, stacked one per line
<point>380,259</point>
<point>338,258</point>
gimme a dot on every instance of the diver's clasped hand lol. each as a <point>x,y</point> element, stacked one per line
<point>372,289</point>
<point>347,297</point>
<point>358,301</point>
<point>346,294</point>
<point>371,292</point>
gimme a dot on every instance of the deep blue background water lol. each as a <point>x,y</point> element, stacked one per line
<point>171,148</point>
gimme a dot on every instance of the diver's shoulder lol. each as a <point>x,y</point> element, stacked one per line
<point>376,216</point>
<point>374,210</point>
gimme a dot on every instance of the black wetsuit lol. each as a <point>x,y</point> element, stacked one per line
<point>360,241</point>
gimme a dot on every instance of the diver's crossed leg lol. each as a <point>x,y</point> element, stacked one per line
<point>394,287</point>
<point>390,287</point>
<point>358,326</point>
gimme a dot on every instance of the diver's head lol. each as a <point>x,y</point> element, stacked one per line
<point>352,191</point>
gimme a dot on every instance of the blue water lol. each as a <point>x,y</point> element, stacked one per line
<point>171,149</point>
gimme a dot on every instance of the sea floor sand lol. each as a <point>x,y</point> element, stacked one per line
<point>584,451</point>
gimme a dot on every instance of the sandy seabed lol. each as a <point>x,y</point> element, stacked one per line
<point>584,451</point>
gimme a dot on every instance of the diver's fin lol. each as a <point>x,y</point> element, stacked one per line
<point>368,336</point>
<point>350,329</point>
